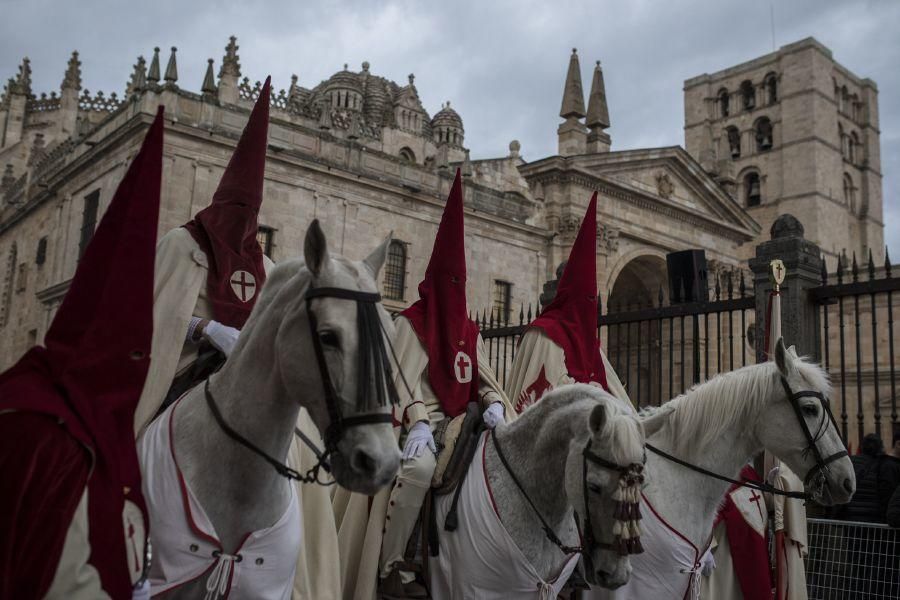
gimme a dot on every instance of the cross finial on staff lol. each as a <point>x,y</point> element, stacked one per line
<point>778,272</point>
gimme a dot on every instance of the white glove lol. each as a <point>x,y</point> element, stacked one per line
<point>418,438</point>
<point>221,336</point>
<point>141,591</point>
<point>493,416</point>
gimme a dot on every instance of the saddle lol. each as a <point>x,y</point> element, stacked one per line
<point>209,360</point>
<point>456,439</point>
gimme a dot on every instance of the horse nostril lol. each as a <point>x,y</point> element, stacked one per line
<point>363,464</point>
<point>848,486</point>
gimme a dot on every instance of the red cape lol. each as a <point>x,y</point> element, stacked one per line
<point>749,550</point>
<point>85,384</point>
<point>570,319</point>
<point>440,317</point>
<point>226,229</point>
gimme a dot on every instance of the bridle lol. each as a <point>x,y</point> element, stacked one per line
<point>817,474</point>
<point>632,474</point>
<point>373,364</point>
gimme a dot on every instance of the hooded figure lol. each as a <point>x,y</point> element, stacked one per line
<point>208,275</point>
<point>561,345</point>
<point>443,359</point>
<point>72,519</point>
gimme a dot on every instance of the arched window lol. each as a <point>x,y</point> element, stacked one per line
<point>752,190</point>
<point>395,271</point>
<point>748,95</point>
<point>842,141</point>
<point>723,102</point>
<point>6,293</point>
<point>855,149</point>
<point>849,193</point>
<point>845,99</point>
<point>771,83</point>
<point>407,155</point>
<point>763,129</point>
<point>734,141</point>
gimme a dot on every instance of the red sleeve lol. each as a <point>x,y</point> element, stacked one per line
<point>43,473</point>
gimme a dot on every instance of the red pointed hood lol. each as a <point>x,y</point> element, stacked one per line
<point>570,319</point>
<point>226,229</point>
<point>440,317</point>
<point>92,370</point>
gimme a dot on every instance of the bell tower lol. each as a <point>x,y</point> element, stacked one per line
<point>794,132</point>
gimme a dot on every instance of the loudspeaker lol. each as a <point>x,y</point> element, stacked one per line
<point>687,274</point>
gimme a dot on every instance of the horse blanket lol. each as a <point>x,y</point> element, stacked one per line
<point>668,569</point>
<point>185,543</point>
<point>480,559</point>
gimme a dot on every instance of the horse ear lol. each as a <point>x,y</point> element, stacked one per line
<point>375,260</point>
<point>315,249</point>
<point>598,418</point>
<point>783,358</point>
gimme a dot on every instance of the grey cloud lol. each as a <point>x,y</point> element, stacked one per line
<point>501,64</point>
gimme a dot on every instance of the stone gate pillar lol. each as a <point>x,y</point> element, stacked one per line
<point>800,318</point>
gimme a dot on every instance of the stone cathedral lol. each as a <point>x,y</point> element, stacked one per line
<point>792,131</point>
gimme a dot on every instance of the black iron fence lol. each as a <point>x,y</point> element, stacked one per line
<point>858,345</point>
<point>657,351</point>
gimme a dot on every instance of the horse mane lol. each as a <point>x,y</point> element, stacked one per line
<point>707,409</point>
<point>624,435</point>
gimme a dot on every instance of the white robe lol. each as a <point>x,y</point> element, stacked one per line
<point>790,519</point>
<point>262,568</point>
<point>179,293</point>
<point>537,351</point>
<point>361,519</point>
<point>480,559</point>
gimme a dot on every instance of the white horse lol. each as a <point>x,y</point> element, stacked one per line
<point>273,372</point>
<point>719,426</point>
<point>545,453</point>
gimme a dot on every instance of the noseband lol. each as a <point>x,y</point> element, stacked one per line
<point>817,473</point>
<point>373,364</point>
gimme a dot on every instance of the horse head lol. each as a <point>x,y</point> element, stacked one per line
<point>336,366</point>
<point>604,473</point>
<point>799,429</point>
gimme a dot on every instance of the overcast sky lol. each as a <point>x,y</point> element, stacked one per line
<point>500,63</point>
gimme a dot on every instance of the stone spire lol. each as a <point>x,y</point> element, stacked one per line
<point>229,74</point>
<point>172,69</point>
<point>209,82</point>
<point>68,100</point>
<point>597,114</point>
<point>72,78</point>
<point>573,93</point>
<point>466,169</point>
<point>572,135</point>
<point>153,75</point>
<point>22,83</point>
<point>138,77</point>
<point>231,61</point>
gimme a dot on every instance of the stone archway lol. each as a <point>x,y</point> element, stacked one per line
<point>635,349</point>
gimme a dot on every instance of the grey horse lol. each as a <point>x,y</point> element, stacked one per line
<point>272,373</point>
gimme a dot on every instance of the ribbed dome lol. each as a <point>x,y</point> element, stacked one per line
<point>345,80</point>
<point>447,117</point>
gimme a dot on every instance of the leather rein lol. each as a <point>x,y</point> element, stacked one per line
<point>818,472</point>
<point>589,542</point>
<point>372,339</point>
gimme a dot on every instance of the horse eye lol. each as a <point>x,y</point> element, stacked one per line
<point>329,338</point>
<point>810,410</point>
<point>593,487</point>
